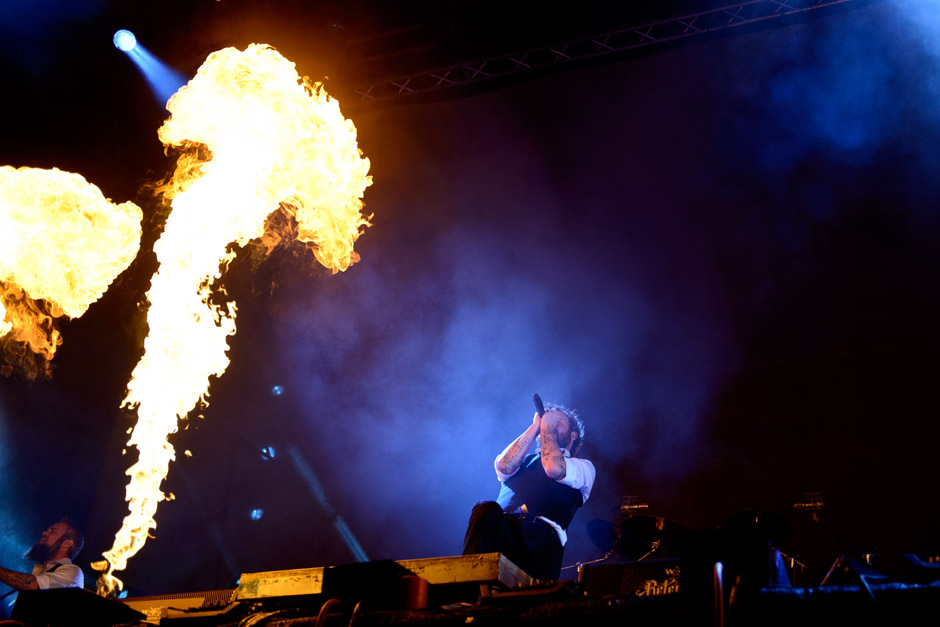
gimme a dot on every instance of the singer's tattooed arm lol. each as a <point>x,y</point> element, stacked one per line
<point>510,459</point>
<point>18,580</point>
<point>553,459</point>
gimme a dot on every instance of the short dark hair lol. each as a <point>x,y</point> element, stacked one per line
<point>574,422</point>
<point>73,533</point>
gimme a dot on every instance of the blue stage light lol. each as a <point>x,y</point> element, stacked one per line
<point>277,390</point>
<point>267,453</point>
<point>256,514</point>
<point>164,81</point>
<point>124,40</point>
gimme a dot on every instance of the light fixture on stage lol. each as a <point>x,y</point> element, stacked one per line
<point>267,453</point>
<point>164,81</point>
<point>124,40</point>
<point>257,513</point>
<point>277,390</point>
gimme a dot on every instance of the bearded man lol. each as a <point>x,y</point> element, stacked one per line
<point>539,495</point>
<point>53,554</point>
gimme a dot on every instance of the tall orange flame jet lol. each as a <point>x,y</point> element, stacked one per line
<point>275,141</point>
<point>61,244</point>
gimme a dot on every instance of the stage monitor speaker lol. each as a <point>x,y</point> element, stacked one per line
<point>377,583</point>
<point>61,607</point>
<point>646,578</point>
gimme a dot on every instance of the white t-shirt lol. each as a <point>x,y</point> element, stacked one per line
<point>61,573</point>
<point>579,474</point>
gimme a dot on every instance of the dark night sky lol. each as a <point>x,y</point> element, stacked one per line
<point>722,253</point>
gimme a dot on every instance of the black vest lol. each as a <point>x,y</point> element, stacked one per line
<point>541,495</point>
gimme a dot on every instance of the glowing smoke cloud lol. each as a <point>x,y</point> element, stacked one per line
<point>61,242</point>
<point>275,141</point>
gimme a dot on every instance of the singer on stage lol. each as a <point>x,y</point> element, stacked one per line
<point>53,555</point>
<point>538,496</point>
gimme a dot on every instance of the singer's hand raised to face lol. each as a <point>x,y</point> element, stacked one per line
<point>555,434</point>
<point>509,461</point>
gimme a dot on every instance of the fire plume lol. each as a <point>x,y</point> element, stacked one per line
<point>61,244</point>
<point>256,138</point>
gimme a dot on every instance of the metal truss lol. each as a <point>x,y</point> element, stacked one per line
<point>696,24</point>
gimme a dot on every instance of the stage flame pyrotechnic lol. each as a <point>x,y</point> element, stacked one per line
<point>256,138</point>
<point>61,244</point>
<point>5,327</point>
